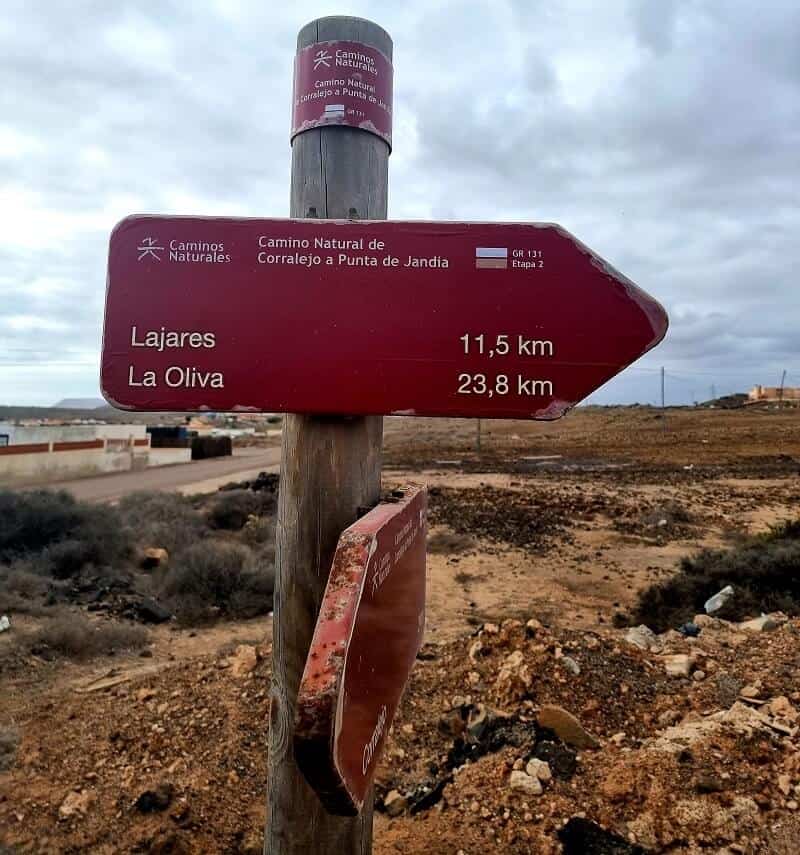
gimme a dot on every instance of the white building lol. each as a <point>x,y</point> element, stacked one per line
<point>34,454</point>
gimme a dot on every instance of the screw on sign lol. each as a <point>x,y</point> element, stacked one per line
<point>367,636</point>
<point>481,320</point>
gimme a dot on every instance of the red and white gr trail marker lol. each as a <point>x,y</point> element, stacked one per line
<point>482,320</point>
<point>368,633</point>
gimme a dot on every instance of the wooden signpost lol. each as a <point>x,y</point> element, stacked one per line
<point>337,318</point>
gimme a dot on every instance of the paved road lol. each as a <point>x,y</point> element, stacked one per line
<point>202,476</point>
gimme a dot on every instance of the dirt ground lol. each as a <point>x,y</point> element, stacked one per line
<point>536,543</point>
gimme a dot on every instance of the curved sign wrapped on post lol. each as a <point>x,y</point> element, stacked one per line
<point>342,83</point>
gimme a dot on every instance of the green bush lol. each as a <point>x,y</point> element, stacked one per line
<point>764,572</point>
<point>217,578</point>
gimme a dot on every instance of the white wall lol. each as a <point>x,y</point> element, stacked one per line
<point>24,434</point>
<point>43,466</point>
<point>35,467</point>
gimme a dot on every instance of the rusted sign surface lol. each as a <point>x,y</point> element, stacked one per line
<point>367,636</point>
<point>479,320</point>
<point>342,83</point>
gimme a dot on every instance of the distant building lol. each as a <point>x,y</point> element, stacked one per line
<point>40,453</point>
<point>773,394</point>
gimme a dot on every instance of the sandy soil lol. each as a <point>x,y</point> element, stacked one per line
<point>594,490</point>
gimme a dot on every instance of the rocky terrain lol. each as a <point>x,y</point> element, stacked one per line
<point>541,716</point>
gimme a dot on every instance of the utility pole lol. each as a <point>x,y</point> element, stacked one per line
<point>330,467</point>
<point>478,435</point>
<point>780,389</point>
<point>662,389</point>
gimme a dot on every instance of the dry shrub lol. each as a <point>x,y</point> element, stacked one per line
<point>21,591</point>
<point>449,543</point>
<point>259,530</point>
<point>764,572</point>
<point>75,637</point>
<point>217,578</point>
<point>57,534</point>
<point>165,520</point>
<point>231,509</point>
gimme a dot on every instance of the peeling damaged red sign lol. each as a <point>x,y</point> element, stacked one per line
<point>368,633</point>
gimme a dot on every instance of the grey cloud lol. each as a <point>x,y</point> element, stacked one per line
<point>663,134</point>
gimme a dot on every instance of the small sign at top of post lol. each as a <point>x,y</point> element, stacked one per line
<point>342,83</point>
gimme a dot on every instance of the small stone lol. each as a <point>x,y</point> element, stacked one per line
<point>538,769</point>
<point>514,678</point>
<point>475,650</point>
<point>792,804</point>
<point>75,802</point>
<point>395,803</point>
<point>244,660</point>
<point>570,665</point>
<point>566,727</point>
<point>765,623</point>
<point>668,718</point>
<point>699,676</point>
<point>618,738</point>
<point>532,627</point>
<point>781,706</point>
<point>751,691</point>
<point>785,784</point>
<point>524,783</point>
<point>145,694</point>
<point>677,665</point>
<point>642,637</point>
<point>519,765</point>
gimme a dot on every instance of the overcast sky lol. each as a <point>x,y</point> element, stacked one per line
<point>665,134</point>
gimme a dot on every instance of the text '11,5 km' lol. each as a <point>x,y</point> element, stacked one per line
<point>480,320</point>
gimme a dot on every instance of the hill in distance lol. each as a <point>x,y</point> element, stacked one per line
<point>80,404</point>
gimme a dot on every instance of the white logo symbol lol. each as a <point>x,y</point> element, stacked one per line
<point>149,247</point>
<point>321,57</point>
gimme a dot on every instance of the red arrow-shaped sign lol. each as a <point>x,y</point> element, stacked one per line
<point>322,316</point>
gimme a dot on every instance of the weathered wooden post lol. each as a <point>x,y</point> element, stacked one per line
<point>330,467</point>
